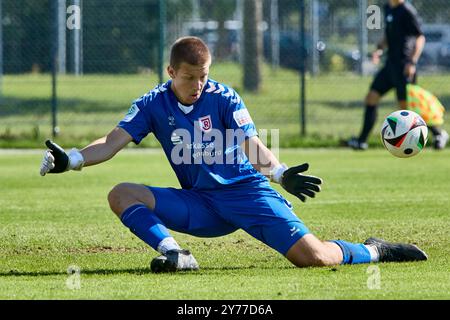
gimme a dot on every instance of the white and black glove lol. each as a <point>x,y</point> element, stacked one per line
<point>56,160</point>
<point>296,183</point>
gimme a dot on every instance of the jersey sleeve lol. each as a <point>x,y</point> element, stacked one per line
<point>137,121</point>
<point>237,115</point>
<point>412,23</point>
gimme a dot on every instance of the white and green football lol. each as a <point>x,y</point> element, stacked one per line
<point>404,133</point>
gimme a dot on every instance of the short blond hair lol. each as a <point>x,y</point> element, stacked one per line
<point>191,50</point>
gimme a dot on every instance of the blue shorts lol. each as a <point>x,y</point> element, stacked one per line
<point>256,208</point>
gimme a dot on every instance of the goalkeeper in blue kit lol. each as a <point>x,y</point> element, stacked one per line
<point>223,168</point>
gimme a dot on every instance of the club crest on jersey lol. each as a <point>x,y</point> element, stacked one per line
<point>205,123</point>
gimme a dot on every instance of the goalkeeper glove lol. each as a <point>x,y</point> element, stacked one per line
<point>56,160</point>
<point>296,183</point>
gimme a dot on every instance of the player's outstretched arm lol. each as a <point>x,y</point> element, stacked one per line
<point>291,179</point>
<point>56,160</point>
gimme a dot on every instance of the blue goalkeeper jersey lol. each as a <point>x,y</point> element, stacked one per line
<point>202,141</point>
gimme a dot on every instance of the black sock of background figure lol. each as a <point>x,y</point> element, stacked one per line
<point>370,116</point>
<point>435,130</point>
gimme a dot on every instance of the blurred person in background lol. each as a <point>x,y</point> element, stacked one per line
<point>403,43</point>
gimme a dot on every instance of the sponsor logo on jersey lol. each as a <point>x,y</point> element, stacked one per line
<point>205,123</point>
<point>176,139</point>
<point>132,112</point>
<point>171,121</point>
<point>242,117</point>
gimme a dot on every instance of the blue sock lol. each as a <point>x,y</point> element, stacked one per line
<point>145,224</point>
<point>353,253</point>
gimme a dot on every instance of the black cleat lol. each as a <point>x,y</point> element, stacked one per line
<point>174,260</point>
<point>396,252</point>
<point>355,144</point>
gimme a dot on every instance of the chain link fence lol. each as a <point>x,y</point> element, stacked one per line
<point>109,53</point>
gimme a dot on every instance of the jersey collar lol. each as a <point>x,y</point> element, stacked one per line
<point>185,109</point>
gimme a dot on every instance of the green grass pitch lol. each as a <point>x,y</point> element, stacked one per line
<point>49,224</point>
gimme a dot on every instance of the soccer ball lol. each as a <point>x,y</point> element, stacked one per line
<point>404,133</point>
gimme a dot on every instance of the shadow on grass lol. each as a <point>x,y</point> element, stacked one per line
<point>19,106</point>
<point>136,271</point>
<point>15,273</point>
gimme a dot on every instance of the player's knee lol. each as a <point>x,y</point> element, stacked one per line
<point>315,259</point>
<point>115,198</point>
<point>372,98</point>
<point>310,259</point>
<point>124,195</point>
<point>402,104</point>
<point>323,259</point>
<point>311,252</point>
